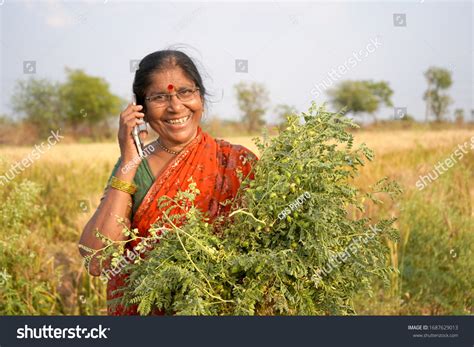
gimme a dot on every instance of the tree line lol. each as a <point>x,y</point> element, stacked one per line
<point>360,97</point>
<point>84,103</point>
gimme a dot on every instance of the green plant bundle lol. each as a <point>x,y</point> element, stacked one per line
<point>297,241</point>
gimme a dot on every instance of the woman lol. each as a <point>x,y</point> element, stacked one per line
<point>170,96</point>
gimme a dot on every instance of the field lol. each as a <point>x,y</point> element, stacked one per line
<point>46,206</point>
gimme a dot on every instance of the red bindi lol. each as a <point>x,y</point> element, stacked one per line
<point>170,87</point>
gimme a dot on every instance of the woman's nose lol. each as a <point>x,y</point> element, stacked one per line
<point>174,104</point>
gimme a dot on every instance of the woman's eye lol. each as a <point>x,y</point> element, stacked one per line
<point>185,92</point>
<point>160,97</point>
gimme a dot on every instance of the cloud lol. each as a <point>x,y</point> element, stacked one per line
<point>57,15</point>
<point>57,21</point>
<point>61,14</point>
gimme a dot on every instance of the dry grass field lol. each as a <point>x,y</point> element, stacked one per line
<point>46,206</point>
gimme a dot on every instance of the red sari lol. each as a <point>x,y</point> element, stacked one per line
<point>214,166</point>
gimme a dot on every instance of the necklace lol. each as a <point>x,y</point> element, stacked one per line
<point>166,149</point>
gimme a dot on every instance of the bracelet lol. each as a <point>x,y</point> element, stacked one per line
<point>124,186</point>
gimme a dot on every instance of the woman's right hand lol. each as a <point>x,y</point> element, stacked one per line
<point>129,118</point>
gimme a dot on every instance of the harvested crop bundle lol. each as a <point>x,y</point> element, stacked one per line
<point>292,245</point>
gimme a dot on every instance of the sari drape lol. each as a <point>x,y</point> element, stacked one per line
<point>214,166</point>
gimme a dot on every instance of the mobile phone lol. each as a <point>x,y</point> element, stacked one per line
<point>136,131</point>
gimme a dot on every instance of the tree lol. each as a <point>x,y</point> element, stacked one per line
<point>382,92</point>
<point>82,99</point>
<point>438,79</point>
<point>38,102</point>
<point>283,111</point>
<point>252,100</point>
<point>361,96</point>
<point>87,99</point>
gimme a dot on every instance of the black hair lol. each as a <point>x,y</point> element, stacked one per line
<point>159,61</point>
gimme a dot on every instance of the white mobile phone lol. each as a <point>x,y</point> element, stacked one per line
<point>136,131</point>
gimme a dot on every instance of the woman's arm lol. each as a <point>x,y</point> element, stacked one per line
<point>114,205</point>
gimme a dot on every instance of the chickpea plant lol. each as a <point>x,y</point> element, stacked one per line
<point>260,260</point>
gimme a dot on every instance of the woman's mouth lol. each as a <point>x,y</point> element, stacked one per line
<point>178,121</point>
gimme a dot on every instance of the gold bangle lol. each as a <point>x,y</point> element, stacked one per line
<point>124,186</point>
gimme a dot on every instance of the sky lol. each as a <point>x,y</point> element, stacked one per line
<point>296,49</point>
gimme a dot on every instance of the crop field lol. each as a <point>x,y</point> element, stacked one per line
<point>45,206</point>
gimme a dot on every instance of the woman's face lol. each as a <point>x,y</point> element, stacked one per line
<point>158,117</point>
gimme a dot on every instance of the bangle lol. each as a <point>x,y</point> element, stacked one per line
<point>124,186</point>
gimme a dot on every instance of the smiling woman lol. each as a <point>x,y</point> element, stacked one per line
<point>171,97</point>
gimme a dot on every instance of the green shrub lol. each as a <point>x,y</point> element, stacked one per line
<point>25,284</point>
<point>272,256</point>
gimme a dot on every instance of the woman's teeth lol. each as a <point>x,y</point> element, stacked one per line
<point>178,121</point>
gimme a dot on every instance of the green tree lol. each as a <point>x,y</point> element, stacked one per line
<point>38,102</point>
<point>361,96</point>
<point>382,92</point>
<point>82,99</point>
<point>87,99</point>
<point>438,80</point>
<point>252,100</point>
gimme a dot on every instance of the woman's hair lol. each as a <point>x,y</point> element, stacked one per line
<point>159,61</point>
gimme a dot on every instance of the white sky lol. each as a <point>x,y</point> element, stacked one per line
<point>290,47</point>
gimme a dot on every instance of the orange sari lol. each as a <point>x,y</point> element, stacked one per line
<point>214,166</point>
